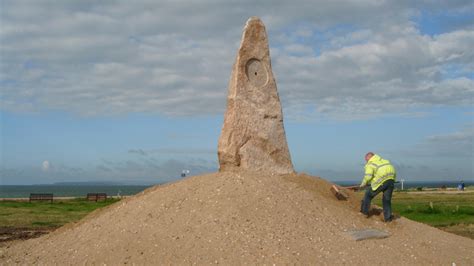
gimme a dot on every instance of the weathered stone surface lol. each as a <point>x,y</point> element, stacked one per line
<point>253,137</point>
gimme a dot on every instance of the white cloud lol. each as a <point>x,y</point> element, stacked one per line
<point>136,170</point>
<point>151,169</point>
<point>455,144</point>
<point>46,165</point>
<point>173,151</point>
<point>380,76</point>
<point>112,57</point>
<point>452,145</point>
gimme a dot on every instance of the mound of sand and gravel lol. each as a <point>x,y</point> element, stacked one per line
<point>239,218</point>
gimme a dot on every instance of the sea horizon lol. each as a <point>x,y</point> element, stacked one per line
<point>80,189</point>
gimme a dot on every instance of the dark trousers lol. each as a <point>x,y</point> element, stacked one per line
<point>387,189</point>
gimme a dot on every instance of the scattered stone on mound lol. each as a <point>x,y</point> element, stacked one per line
<point>253,136</point>
<point>238,218</point>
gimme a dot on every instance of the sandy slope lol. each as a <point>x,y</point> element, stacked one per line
<point>236,218</point>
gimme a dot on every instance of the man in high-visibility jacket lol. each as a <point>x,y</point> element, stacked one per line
<point>379,177</point>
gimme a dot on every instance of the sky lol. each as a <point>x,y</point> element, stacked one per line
<point>134,92</point>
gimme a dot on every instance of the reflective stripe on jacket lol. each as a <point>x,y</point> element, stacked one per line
<point>377,171</point>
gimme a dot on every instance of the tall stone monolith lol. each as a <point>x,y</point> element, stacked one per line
<point>253,136</point>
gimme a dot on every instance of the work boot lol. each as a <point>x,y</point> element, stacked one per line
<point>388,220</point>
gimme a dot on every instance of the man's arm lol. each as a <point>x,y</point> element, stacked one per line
<point>369,174</point>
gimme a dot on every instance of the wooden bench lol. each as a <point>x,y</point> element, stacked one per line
<point>96,196</point>
<point>41,196</point>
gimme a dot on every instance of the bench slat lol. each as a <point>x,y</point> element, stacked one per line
<point>96,196</point>
<point>41,196</point>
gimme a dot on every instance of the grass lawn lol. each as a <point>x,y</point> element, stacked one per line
<point>435,209</point>
<point>45,214</point>
<point>452,212</point>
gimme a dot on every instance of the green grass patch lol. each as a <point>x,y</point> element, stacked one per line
<point>436,209</point>
<point>46,214</point>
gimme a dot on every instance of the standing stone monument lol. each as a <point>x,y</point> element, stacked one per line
<point>253,137</point>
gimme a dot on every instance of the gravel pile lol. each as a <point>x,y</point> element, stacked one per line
<point>239,218</point>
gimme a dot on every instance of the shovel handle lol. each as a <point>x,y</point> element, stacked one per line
<point>352,187</point>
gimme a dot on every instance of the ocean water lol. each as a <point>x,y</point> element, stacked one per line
<point>69,190</point>
<point>126,190</point>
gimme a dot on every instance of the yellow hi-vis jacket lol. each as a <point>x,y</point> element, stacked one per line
<point>377,171</point>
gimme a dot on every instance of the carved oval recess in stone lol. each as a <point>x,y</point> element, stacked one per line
<point>256,72</point>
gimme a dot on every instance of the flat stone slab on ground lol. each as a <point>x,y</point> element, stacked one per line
<point>363,234</point>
